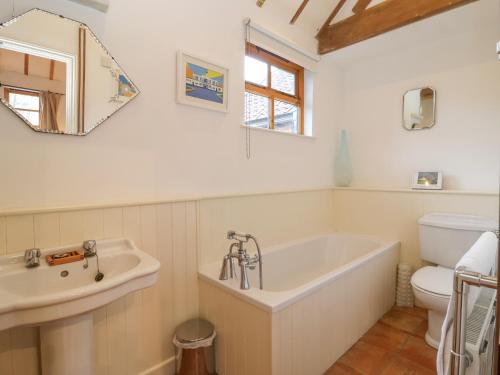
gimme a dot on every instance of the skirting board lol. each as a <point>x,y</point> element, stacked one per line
<point>101,5</point>
<point>163,368</point>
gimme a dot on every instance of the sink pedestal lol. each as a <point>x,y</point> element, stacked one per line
<point>67,346</point>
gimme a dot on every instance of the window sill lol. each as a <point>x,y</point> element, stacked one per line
<point>271,131</point>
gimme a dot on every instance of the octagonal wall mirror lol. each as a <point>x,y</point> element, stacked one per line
<point>419,109</point>
<point>56,75</point>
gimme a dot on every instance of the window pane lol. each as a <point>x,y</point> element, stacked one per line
<point>24,101</point>
<point>256,110</point>
<point>282,80</point>
<point>32,117</point>
<point>286,117</point>
<point>255,71</point>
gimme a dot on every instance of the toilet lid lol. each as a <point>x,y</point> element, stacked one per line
<point>435,280</point>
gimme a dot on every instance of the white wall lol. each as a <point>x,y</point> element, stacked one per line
<point>455,54</point>
<point>155,148</point>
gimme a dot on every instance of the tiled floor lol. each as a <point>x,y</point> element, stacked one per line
<point>394,346</point>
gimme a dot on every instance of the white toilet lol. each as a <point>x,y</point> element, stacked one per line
<point>444,239</point>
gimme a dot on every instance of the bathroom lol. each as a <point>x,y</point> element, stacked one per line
<point>169,174</point>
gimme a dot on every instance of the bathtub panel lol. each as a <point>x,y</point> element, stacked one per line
<point>282,343</point>
<point>5,352</point>
<point>243,345</point>
<point>335,320</point>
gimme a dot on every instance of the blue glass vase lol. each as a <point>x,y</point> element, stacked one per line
<point>343,165</point>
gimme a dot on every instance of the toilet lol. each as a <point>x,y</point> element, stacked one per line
<point>444,239</point>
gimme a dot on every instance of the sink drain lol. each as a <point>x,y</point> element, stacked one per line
<point>64,273</point>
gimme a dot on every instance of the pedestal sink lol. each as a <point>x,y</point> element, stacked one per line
<point>60,299</point>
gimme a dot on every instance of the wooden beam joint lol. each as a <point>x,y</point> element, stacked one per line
<point>379,19</point>
<point>360,6</point>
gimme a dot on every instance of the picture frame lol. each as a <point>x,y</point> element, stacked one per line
<point>428,180</point>
<point>201,83</point>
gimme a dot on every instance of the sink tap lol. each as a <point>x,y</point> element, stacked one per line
<point>32,258</point>
<point>89,251</point>
<point>245,261</point>
<point>90,248</point>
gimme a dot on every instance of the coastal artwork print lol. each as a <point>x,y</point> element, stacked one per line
<point>201,83</point>
<point>204,83</point>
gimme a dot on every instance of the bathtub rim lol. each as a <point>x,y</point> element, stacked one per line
<point>274,301</point>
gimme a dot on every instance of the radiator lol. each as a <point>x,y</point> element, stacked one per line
<point>480,334</point>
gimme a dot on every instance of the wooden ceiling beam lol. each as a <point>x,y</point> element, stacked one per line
<point>298,12</point>
<point>379,19</point>
<point>26,64</point>
<point>332,15</point>
<point>360,6</point>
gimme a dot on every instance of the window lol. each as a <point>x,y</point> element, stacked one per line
<point>26,103</point>
<point>274,92</point>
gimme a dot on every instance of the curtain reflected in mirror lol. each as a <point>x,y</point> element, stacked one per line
<point>56,75</point>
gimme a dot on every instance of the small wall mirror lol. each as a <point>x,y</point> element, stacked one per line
<point>56,75</point>
<point>419,109</point>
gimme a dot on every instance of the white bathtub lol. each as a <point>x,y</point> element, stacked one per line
<point>292,271</point>
<point>324,292</point>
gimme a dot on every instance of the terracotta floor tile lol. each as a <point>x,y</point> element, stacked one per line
<point>395,345</point>
<point>366,358</point>
<point>422,329</point>
<point>416,350</point>
<point>385,336</point>
<point>417,311</point>
<point>403,321</point>
<point>402,366</point>
<point>340,369</point>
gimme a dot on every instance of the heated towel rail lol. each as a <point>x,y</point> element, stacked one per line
<point>462,281</point>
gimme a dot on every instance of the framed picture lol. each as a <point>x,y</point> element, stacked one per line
<point>428,181</point>
<point>201,83</point>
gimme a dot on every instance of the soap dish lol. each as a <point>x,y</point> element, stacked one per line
<point>64,258</point>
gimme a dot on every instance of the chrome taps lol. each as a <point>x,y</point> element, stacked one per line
<point>244,260</point>
<point>89,248</point>
<point>32,258</point>
<point>89,251</point>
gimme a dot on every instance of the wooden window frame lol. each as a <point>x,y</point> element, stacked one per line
<point>9,90</point>
<point>273,60</point>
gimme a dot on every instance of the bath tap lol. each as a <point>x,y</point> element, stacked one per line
<point>244,260</point>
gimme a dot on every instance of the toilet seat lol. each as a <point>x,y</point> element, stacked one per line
<point>436,281</point>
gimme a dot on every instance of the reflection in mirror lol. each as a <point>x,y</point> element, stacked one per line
<point>57,76</point>
<point>419,108</point>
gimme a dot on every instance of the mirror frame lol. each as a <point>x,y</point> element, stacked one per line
<point>434,102</point>
<point>76,89</point>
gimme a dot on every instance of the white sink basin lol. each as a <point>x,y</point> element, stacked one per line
<point>32,296</point>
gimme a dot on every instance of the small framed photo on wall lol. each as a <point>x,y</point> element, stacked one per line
<point>428,180</point>
<point>201,83</point>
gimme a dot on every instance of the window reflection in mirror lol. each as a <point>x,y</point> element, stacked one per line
<point>419,108</point>
<point>35,87</point>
